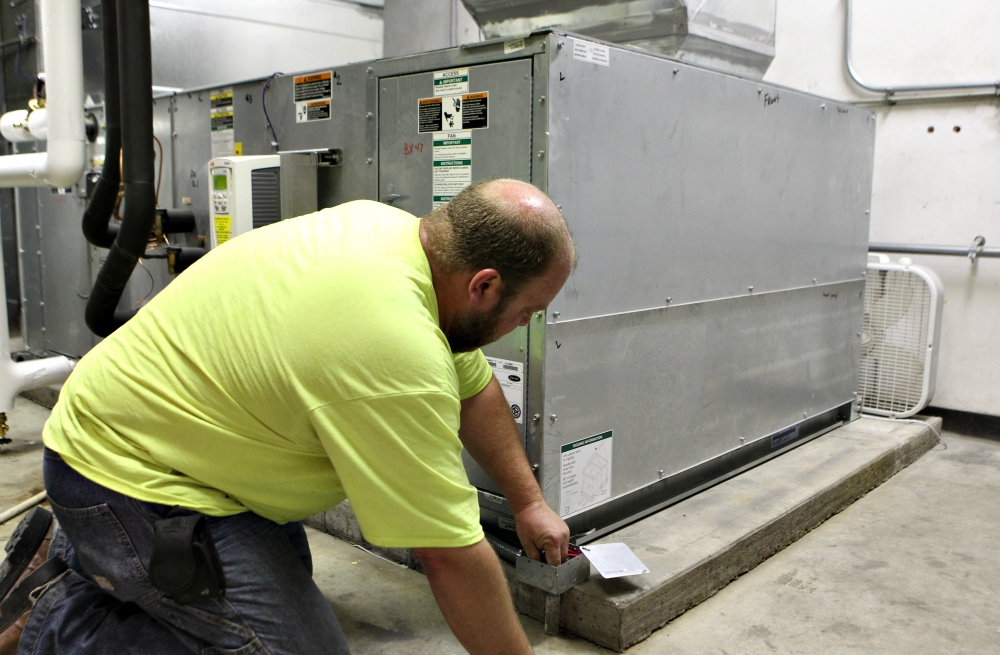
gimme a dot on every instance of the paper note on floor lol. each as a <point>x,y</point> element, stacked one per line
<point>614,560</point>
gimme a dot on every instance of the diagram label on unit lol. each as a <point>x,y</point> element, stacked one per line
<point>311,94</point>
<point>585,473</point>
<point>465,112</point>
<point>510,375</point>
<point>221,111</point>
<point>451,82</point>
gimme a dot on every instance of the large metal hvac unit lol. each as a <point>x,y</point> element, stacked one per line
<point>714,320</point>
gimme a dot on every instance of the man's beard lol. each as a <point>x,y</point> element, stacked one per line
<point>475,329</point>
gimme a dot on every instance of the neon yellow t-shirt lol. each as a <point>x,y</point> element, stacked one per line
<point>299,364</point>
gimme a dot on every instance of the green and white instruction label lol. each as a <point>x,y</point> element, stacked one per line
<point>451,82</point>
<point>585,473</point>
<point>452,158</point>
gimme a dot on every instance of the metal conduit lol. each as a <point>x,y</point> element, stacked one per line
<point>974,251</point>
<point>920,92</point>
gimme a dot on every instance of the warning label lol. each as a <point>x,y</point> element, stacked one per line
<point>451,82</point>
<point>465,112</point>
<point>585,473</point>
<point>313,87</point>
<point>510,375</point>
<point>223,229</point>
<point>221,111</point>
<point>311,94</point>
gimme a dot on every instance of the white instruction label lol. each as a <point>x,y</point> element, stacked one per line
<point>513,45</point>
<point>595,53</point>
<point>510,375</point>
<point>451,82</point>
<point>614,560</point>
<point>221,112</point>
<point>585,472</point>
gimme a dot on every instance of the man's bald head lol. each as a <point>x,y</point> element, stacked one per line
<point>500,224</point>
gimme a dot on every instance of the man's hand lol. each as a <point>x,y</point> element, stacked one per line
<point>541,529</point>
<point>491,437</point>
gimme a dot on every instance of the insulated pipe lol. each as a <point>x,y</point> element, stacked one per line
<point>16,377</point>
<point>921,92</point>
<point>65,158</point>
<point>136,78</point>
<point>97,225</point>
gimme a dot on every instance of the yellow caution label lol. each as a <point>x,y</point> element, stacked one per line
<point>223,229</point>
<point>238,149</point>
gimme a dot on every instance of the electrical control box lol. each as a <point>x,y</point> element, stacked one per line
<point>245,193</point>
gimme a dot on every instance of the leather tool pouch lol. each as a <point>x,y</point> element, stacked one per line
<point>185,565</point>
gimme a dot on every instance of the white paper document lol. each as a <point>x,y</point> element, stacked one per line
<point>614,560</point>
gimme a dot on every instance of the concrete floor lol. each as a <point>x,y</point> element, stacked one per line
<point>909,569</point>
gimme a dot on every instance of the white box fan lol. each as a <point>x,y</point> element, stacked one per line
<point>900,337</point>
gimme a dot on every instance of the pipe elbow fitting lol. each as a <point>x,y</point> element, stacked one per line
<point>65,163</point>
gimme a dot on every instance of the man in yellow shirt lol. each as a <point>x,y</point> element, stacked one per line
<point>326,357</point>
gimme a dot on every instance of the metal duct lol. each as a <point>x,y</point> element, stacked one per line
<point>732,36</point>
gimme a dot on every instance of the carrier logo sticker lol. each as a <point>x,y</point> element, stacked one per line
<point>469,111</point>
<point>585,473</point>
<point>451,82</point>
<point>311,94</point>
<point>510,375</point>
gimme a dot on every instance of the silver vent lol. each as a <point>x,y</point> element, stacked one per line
<point>733,36</point>
<point>265,191</point>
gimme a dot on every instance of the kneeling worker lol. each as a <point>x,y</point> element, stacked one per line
<point>329,356</point>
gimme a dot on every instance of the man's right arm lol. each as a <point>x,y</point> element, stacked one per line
<point>471,591</point>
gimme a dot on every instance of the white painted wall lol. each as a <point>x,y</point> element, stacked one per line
<point>198,43</point>
<point>940,188</point>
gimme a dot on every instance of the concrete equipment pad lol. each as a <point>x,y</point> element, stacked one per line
<point>699,545</point>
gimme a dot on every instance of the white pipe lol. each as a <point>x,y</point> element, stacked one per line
<point>18,509</point>
<point>65,158</point>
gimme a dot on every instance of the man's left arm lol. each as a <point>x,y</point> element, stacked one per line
<point>490,435</point>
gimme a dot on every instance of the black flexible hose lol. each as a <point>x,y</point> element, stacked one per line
<point>97,225</point>
<point>136,76</point>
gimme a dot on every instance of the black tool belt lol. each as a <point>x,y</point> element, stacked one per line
<point>185,565</point>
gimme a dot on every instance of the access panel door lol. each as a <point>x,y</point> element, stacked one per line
<point>441,130</point>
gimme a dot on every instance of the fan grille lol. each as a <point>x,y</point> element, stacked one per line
<point>894,345</point>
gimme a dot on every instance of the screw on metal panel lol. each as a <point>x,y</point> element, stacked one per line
<point>669,299</point>
<point>173,135</point>
<point>369,160</point>
<point>520,349</point>
<point>750,289</point>
<point>859,334</point>
<point>556,314</point>
<point>561,45</point>
<point>805,414</point>
<point>759,90</point>
<point>536,417</point>
<point>541,154</point>
<point>559,207</point>
<point>742,439</point>
<point>541,100</point>
<point>534,467</point>
<point>815,280</point>
<point>868,211</point>
<point>676,70</point>
<point>660,473</point>
<point>369,115</point>
<point>543,46</point>
<point>823,106</point>
<point>369,70</point>
<point>539,314</point>
<point>553,418</point>
<point>526,77</point>
<point>855,394</point>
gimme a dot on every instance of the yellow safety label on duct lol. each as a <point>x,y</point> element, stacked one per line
<point>223,229</point>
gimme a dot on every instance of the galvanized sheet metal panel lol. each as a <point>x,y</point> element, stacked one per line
<point>686,184</point>
<point>681,386</point>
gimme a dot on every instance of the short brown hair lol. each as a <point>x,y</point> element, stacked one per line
<point>476,231</point>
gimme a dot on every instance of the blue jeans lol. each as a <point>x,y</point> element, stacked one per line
<point>106,603</point>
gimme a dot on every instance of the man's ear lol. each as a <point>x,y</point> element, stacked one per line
<point>484,289</point>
